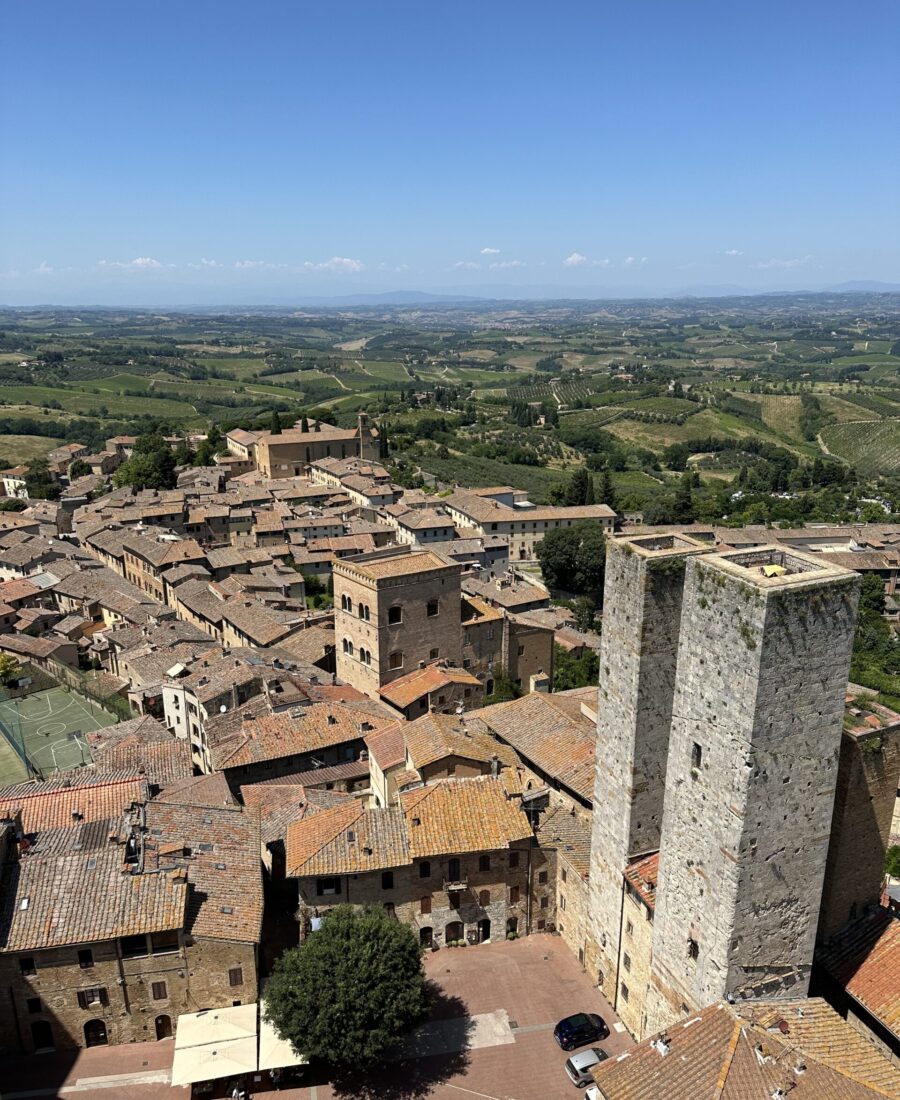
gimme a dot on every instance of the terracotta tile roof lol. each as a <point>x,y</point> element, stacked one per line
<point>198,790</point>
<point>393,564</point>
<point>550,733</point>
<point>463,815</point>
<point>738,1052</point>
<point>423,681</point>
<point>865,959</point>
<point>642,874</point>
<point>144,747</point>
<point>83,894</point>
<point>274,736</point>
<point>315,778</point>
<point>66,802</point>
<point>569,833</point>
<point>348,839</point>
<point>435,736</point>
<point>450,816</point>
<point>221,850</point>
<point>280,805</point>
<point>387,746</point>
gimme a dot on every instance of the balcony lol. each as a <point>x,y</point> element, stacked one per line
<point>454,886</point>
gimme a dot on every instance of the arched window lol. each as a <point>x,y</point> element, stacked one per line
<point>424,869</point>
<point>425,905</point>
<point>350,648</point>
<point>484,898</point>
<point>347,645</point>
<point>453,870</point>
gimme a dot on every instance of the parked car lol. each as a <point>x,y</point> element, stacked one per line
<point>593,1093</point>
<point>579,1030</point>
<point>579,1066</point>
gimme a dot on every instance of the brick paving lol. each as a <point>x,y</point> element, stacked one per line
<point>535,981</point>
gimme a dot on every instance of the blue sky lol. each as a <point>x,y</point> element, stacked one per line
<point>214,151</point>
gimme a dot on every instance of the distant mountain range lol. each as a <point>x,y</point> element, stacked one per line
<point>512,293</point>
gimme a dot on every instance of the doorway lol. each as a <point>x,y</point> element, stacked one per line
<point>453,933</point>
<point>163,1027</point>
<point>484,930</point>
<point>95,1033</point>
<point>42,1036</point>
<point>426,938</point>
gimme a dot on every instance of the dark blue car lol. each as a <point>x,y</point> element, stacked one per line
<point>579,1030</point>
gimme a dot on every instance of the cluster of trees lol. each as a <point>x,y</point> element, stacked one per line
<point>876,654</point>
<point>151,466</point>
<point>573,560</point>
<point>813,417</point>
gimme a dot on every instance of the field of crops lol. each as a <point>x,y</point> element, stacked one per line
<point>21,448</point>
<point>81,402</point>
<point>872,447</point>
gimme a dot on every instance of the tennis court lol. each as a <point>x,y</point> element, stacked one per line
<point>50,728</point>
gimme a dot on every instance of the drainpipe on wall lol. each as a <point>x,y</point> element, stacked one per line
<point>528,896</point>
<point>615,1002</point>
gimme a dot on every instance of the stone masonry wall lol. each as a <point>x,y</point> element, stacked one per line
<point>868,774</point>
<point>756,729</point>
<point>496,894</point>
<point>638,652</point>
<point>135,991</point>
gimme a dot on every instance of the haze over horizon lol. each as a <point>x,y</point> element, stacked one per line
<point>228,153</point>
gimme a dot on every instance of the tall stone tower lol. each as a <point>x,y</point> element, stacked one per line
<point>766,637</point>
<point>638,651</point>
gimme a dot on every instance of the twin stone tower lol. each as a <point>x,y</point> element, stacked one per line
<point>722,684</point>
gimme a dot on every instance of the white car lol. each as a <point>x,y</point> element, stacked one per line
<point>593,1093</point>
<point>579,1066</point>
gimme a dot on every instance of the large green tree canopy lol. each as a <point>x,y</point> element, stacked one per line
<point>352,990</point>
<point>573,559</point>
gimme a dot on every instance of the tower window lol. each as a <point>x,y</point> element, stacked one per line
<point>433,608</point>
<point>395,615</point>
<point>696,757</point>
<point>395,660</point>
<point>693,949</point>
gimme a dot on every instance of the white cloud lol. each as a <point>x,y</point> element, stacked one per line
<point>781,265</point>
<point>506,263</point>
<point>244,264</point>
<point>575,259</point>
<point>467,265</point>
<point>490,251</point>
<point>629,260</point>
<point>336,265</point>
<point>44,268</point>
<point>733,252</point>
<point>141,263</point>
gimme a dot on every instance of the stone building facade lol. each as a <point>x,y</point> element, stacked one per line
<point>868,774</point>
<point>288,453</point>
<point>638,655</point>
<point>454,859</point>
<point>394,609</point>
<point>764,651</point>
<point>113,926</point>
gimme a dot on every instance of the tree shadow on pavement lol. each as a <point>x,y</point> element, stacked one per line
<point>436,1051</point>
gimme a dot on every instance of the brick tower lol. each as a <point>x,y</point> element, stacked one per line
<point>638,651</point>
<point>766,637</point>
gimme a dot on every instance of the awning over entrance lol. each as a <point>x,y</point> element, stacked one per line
<point>275,1053</point>
<point>221,1042</point>
<point>228,1042</point>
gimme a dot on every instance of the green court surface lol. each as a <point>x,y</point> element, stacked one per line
<point>49,727</point>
